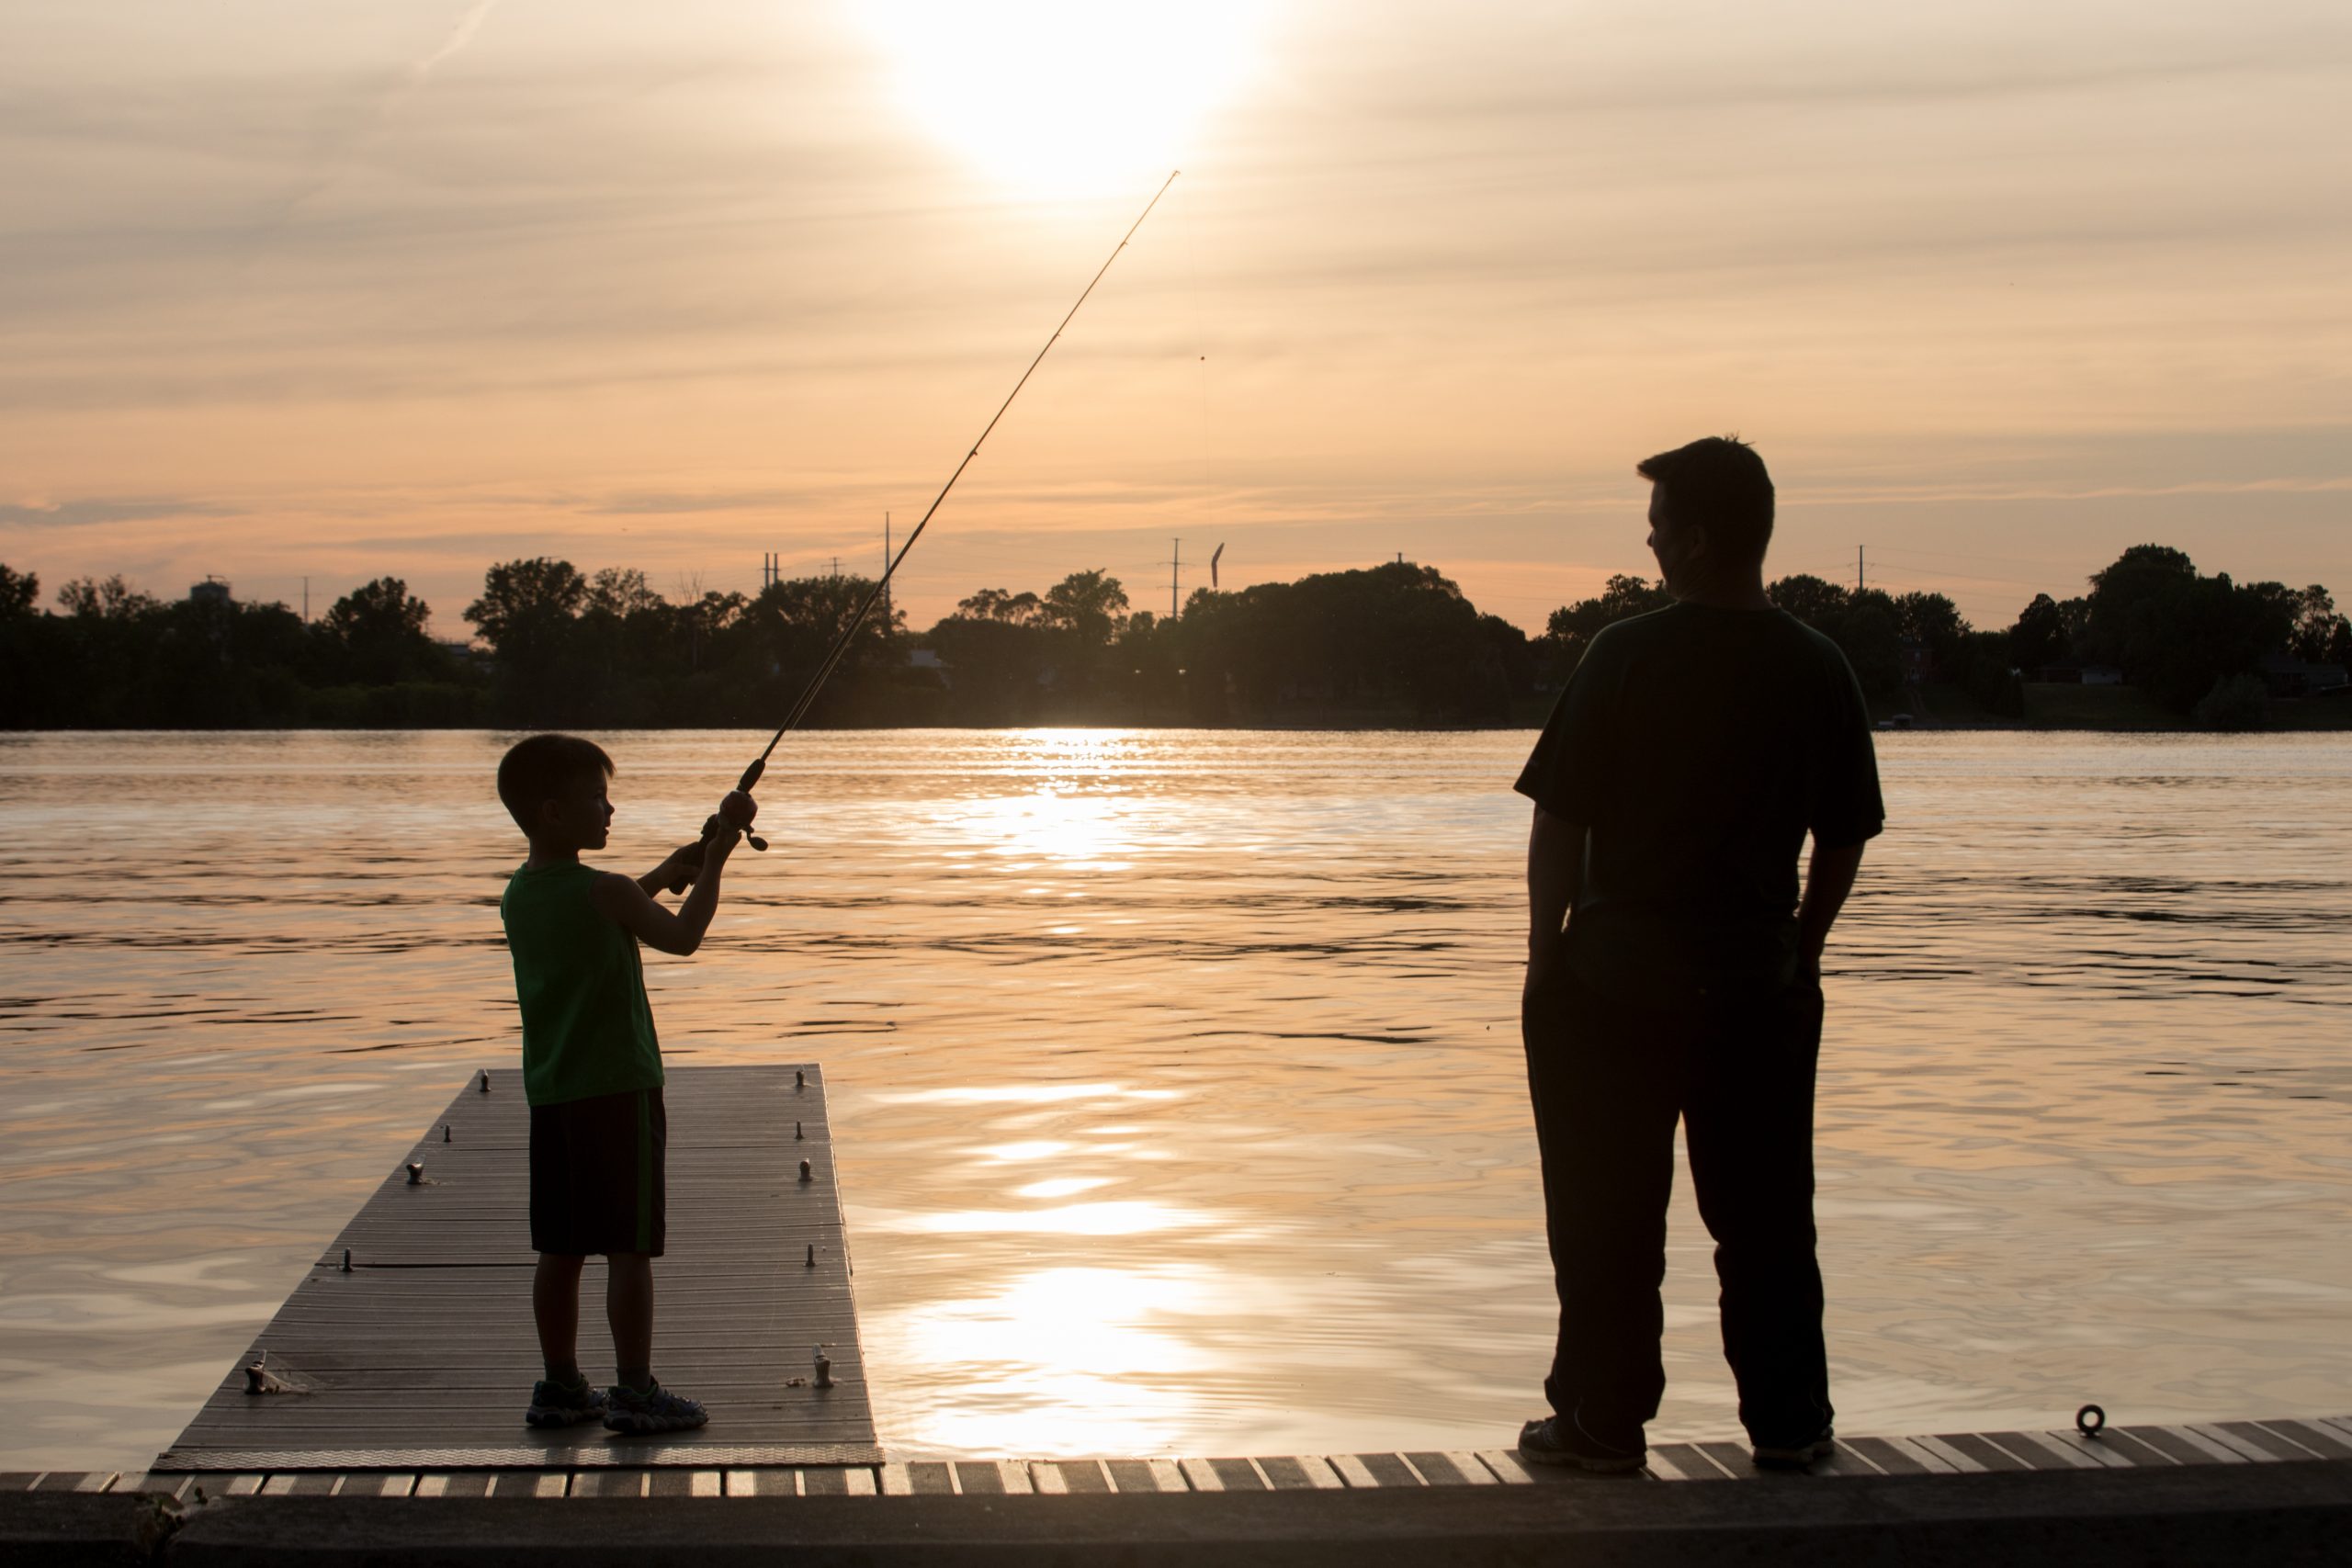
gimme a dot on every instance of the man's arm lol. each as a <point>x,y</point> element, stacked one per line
<point>623,901</point>
<point>1555,876</point>
<point>1829,877</point>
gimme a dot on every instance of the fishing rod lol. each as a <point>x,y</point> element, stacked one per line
<point>736,812</point>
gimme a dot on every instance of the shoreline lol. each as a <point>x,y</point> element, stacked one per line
<point>2052,708</point>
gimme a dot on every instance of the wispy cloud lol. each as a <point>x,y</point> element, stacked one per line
<point>460,36</point>
<point>108,509</point>
<point>663,504</point>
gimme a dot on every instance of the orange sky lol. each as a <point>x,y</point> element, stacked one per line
<point>1998,290</point>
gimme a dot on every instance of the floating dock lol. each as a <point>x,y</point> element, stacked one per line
<point>408,1346</point>
<point>397,1369</point>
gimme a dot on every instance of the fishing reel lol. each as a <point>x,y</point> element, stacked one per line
<point>735,814</point>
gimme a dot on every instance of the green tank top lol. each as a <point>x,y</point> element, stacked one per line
<point>587,1028</point>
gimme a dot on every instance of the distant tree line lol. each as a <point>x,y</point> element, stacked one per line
<point>1393,644</point>
<point>2194,643</point>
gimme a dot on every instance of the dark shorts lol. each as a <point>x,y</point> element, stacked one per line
<point>596,1175</point>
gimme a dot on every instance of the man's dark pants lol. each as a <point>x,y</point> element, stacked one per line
<point>1611,1075</point>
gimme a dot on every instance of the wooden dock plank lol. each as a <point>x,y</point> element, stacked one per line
<point>1146,1475</point>
<point>2041,1453</point>
<point>1505,1466</point>
<point>1684,1462</point>
<point>1388,1470</point>
<point>419,1358</point>
<point>2271,1443</point>
<point>1987,1454</point>
<point>2322,1443</point>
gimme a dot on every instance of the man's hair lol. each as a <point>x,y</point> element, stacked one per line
<point>1719,484</point>
<point>542,768</point>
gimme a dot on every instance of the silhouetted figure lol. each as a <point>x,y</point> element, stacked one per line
<point>1674,973</point>
<point>591,1071</point>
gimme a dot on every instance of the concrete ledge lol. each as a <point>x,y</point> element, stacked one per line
<point>2291,1513</point>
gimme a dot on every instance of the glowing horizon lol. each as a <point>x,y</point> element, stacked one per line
<point>1998,293</point>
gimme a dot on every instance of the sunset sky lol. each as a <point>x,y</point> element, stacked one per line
<point>410,286</point>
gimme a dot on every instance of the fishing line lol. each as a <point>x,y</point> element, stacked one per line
<point>736,810</point>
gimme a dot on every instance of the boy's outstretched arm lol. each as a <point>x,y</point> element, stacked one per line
<point>683,865</point>
<point>621,899</point>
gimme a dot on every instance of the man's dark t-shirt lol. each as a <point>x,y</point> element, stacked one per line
<point>1700,746</point>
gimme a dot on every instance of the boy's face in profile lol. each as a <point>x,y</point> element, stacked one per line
<point>578,818</point>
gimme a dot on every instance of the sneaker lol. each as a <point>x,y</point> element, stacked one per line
<point>563,1405</point>
<point>1798,1456</point>
<point>1563,1440</point>
<point>651,1409</point>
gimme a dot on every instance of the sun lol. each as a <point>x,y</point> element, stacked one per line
<point>1066,97</point>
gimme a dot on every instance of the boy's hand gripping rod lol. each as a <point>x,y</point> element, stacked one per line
<point>735,813</point>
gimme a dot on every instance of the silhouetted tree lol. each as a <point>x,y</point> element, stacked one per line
<point>525,603</point>
<point>18,592</point>
<point>377,635</point>
<point>2121,596</point>
<point>996,604</point>
<point>1570,629</point>
<point>1871,632</point>
<point>2041,635</point>
<point>1934,622</point>
<point>1090,604</point>
<point>1812,600</point>
<point>526,614</point>
<point>2317,628</point>
<point>112,599</point>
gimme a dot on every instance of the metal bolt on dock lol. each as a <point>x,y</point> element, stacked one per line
<point>799,1078</point>
<point>416,1173</point>
<point>806,1174</point>
<point>346,1260</point>
<point>444,1131</point>
<point>813,1254</point>
<point>824,1369</point>
<point>797,1133</point>
<point>485,1080</point>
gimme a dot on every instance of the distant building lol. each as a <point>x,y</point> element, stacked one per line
<point>2287,676</point>
<point>1918,663</point>
<point>212,590</point>
<point>925,668</point>
<point>2068,673</point>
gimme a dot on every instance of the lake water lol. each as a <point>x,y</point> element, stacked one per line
<point>1177,1076</point>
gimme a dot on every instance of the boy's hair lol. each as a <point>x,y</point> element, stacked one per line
<point>543,767</point>
<point>1718,483</point>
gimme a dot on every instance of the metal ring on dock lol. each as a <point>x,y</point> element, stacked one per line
<point>2090,1420</point>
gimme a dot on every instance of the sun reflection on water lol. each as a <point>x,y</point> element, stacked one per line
<point>1094,1360</point>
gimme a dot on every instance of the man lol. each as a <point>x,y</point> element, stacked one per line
<point>1674,973</point>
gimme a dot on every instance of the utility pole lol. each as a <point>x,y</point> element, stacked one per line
<point>1175,576</point>
<point>306,601</point>
<point>1858,568</point>
<point>837,566</point>
<point>886,571</point>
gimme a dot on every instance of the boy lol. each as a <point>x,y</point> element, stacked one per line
<point>591,1071</point>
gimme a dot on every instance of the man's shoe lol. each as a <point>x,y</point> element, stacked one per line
<point>1562,1440</point>
<point>1796,1456</point>
<point>563,1405</point>
<point>650,1409</point>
